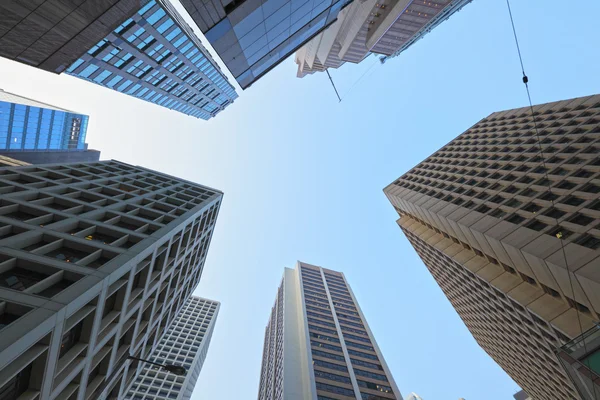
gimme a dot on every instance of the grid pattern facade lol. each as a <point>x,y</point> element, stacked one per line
<point>96,260</point>
<point>487,214</point>
<point>344,360</point>
<point>28,125</point>
<point>155,56</point>
<point>254,36</point>
<point>186,344</point>
<point>52,34</point>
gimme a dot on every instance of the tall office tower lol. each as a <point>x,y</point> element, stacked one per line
<point>139,47</point>
<point>186,344</point>
<point>510,233</point>
<point>318,345</point>
<point>413,396</point>
<point>39,133</point>
<point>385,27</point>
<point>155,56</point>
<point>51,35</point>
<point>96,261</point>
<point>254,36</point>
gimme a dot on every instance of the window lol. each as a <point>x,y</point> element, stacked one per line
<point>16,386</point>
<point>527,279</point>
<point>550,291</point>
<point>334,389</point>
<point>581,219</point>
<point>589,241</point>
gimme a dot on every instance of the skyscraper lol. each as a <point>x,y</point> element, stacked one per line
<point>318,344</point>
<point>34,132</point>
<point>509,231</point>
<point>96,260</point>
<point>155,56</point>
<point>373,26</point>
<point>51,35</point>
<point>186,344</point>
<point>254,36</point>
<point>139,47</point>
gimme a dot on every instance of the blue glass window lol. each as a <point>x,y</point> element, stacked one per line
<point>173,34</point>
<point>110,55</point>
<point>90,69</point>
<point>125,25</point>
<point>165,25</point>
<point>156,16</point>
<point>134,88</point>
<point>74,66</point>
<point>123,61</point>
<point>179,41</point>
<point>97,47</point>
<point>102,76</point>
<point>147,7</point>
<point>124,85</point>
<point>116,79</point>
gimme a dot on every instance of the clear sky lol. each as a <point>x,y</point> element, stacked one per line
<point>303,177</point>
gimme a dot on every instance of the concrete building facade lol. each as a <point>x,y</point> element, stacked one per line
<point>507,223</point>
<point>155,56</point>
<point>186,344</point>
<point>96,260</point>
<point>384,27</point>
<point>318,345</point>
<point>254,36</point>
<point>52,34</point>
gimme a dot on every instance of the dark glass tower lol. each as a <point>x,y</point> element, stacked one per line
<point>254,36</point>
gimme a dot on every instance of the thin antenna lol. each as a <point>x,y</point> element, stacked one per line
<point>333,84</point>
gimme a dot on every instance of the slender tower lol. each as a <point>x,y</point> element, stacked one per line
<point>318,345</point>
<point>185,344</point>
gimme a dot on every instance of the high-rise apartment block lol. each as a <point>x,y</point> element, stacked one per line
<point>385,27</point>
<point>155,56</point>
<point>507,223</point>
<point>318,345</point>
<point>185,344</point>
<point>142,48</point>
<point>34,132</point>
<point>96,260</point>
<point>254,36</point>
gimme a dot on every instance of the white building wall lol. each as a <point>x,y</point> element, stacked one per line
<point>186,344</point>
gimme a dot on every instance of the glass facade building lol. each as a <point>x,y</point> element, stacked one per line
<point>253,36</point>
<point>155,56</point>
<point>29,125</point>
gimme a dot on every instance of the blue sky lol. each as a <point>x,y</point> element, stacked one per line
<point>303,178</point>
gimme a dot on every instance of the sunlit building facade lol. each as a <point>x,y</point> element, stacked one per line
<point>505,217</point>
<point>318,345</point>
<point>185,344</point>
